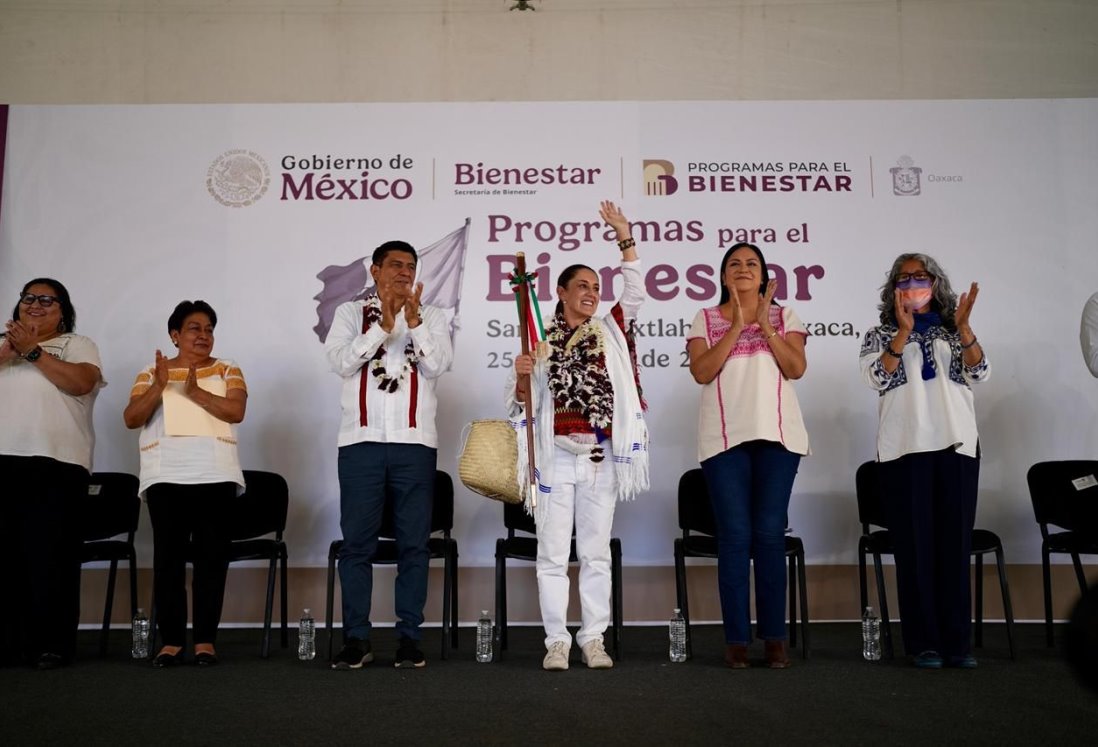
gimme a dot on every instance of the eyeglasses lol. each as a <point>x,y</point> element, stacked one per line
<point>44,301</point>
<point>905,279</point>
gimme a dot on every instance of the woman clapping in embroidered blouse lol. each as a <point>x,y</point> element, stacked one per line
<point>751,438</point>
<point>592,444</point>
<point>923,359</point>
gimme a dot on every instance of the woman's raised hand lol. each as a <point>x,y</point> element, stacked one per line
<point>762,314</point>
<point>610,213</point>
<point>160,373</point>
<point>905,319</point>
<point>190,386</point>
<point>964,306</point>
<point>737,310</point>
<point>22,337</point>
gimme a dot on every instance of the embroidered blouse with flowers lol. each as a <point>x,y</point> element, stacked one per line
<point>388,390</point>
<point>926,404</point>
<point>750,399</point>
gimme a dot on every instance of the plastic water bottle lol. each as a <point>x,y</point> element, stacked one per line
<point>484,638</point>
<point>676,633</point>
<point>140,629</point>
<point>871,635</point>
<point>306,637</point>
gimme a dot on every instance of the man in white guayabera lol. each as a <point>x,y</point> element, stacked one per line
<point>389,348</point>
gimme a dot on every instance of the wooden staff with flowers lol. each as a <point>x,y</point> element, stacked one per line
<point>531,335</point>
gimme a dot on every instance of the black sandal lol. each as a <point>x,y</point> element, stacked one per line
<point>168,660</point>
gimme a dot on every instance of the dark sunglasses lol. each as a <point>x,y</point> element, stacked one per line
<point>44,301</point>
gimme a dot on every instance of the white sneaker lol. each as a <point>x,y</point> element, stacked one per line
<point>595,656</point>
<point>556,660</point>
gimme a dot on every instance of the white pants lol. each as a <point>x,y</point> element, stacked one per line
<point>586,491</point>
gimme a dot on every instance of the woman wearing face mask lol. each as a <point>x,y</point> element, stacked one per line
<point>923,359</point>
<point>751,437</point>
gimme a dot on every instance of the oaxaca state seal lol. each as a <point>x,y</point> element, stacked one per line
<point>905,178</point>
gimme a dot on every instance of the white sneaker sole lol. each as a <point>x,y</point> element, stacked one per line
<point>599,665</point>
<point>343,666</point>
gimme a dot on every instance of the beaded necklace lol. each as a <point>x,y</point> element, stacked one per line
<point>371,315</point>
<point>578,379</point>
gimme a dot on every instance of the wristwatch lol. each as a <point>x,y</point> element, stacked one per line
<point>33,355</point>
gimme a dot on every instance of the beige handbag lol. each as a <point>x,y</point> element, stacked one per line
<point>487,461</point>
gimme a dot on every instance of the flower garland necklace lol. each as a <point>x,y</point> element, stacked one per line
<point>371,315</point>
<point>578,379</point>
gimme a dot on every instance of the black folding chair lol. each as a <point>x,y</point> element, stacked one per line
<point>110,510</point>
<point>261,510</point>
<point>1064,495</point>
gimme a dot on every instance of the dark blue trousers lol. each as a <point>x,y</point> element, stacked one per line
<point>371,474</point>
<point>930,505</point>
<point>749,486</point>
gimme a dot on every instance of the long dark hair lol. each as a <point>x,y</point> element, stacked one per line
<point>725,295</point>
<point>565,278</point>
<point>68,311</point>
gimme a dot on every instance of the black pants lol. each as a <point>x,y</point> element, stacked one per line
<point>189,520</point>
<point>39,557</point>
<point>930,502</point>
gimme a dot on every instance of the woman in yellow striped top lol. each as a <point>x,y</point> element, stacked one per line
<point>187,408</point>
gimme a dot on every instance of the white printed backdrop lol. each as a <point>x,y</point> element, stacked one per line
<point>115,202</point>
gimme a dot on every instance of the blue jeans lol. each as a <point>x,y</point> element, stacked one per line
<point>369,475</point>
<point>749,487</point>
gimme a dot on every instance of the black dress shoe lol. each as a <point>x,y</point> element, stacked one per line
<point>205,659</point>
<point>49,661</point>
<point>168,660</point>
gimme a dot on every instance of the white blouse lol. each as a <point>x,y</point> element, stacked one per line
<point>41,420</point>
<point>750,399</point>
<point>188,460</point>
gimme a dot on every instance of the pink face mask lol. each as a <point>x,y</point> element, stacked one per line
<point>915,293</point>
<point>915,298</point>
